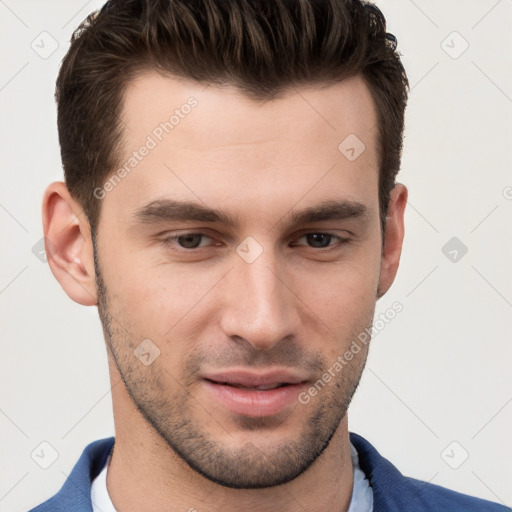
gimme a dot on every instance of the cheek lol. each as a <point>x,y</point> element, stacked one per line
<point>342,297</point>
<point>156,298</point>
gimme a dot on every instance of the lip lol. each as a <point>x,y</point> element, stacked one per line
<point>249,401</point>
<point>254,379</point>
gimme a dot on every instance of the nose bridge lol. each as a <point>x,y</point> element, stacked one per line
<point>259,308</point>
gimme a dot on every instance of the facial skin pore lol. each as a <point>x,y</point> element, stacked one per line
<point>187,280</point>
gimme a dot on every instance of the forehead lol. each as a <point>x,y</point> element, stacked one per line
<point>206,142</point>
<point>151,99</point>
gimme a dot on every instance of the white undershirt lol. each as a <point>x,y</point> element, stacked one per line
<point>362,494</point>
<point>100,498</point>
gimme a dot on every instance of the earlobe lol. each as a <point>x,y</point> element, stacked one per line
<point>68,244</point>
<point>394,238</point>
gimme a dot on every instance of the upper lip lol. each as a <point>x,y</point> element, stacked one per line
<point>253,379</point>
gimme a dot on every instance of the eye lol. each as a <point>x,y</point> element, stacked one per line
<point>322,240</point>
<point>186,241</point>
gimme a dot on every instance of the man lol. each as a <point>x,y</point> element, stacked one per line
<point>230,206</point>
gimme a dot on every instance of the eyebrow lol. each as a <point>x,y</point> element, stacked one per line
<point>167,210</point>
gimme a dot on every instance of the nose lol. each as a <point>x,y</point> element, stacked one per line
<point>258,304</point>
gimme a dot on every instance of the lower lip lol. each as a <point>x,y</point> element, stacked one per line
<point>252,402</point>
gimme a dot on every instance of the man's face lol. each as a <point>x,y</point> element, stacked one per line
<point>272,297</point>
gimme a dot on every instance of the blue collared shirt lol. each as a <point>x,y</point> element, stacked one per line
<point>391,490</point>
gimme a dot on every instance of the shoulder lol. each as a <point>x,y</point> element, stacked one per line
<point>393,491</point>
<point>435,497</point>
<point>75,494</point>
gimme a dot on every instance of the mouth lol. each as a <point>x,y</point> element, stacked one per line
<point>259,388</point>
<point>244,378</point>
<point>255,394</point>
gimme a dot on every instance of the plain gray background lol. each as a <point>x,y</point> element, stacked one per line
<point>436,395</point>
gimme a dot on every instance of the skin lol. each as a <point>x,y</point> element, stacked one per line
<point>297,306</point>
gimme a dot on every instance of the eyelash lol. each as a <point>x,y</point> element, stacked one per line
<point>169,242</point>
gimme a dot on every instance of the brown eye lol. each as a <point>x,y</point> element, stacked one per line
<point>187,242</point>
<point>190,240</point>
<point>319,240</point>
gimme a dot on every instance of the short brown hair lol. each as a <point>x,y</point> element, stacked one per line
<point>262,47</point>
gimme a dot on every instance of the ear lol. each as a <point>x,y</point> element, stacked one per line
<point>393,240</point>
<point>68,244</point>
